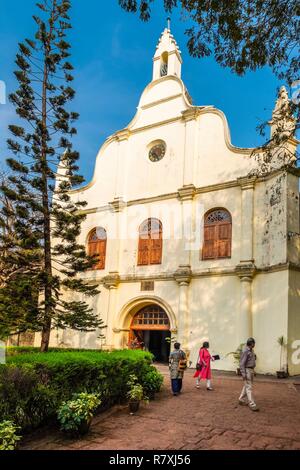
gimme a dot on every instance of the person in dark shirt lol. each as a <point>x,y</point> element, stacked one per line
<point>176,373</point>
<point>247,365</point>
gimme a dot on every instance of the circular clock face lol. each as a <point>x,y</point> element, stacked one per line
<point>157,152</point>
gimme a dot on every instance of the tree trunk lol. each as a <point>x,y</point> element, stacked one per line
<point>46,336</point>
<point>46,210</point>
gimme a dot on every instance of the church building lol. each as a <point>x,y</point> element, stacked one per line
<point>194,242</point>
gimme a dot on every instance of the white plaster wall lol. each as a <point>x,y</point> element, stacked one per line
<point>175,250</point>
<point>198,152</point>
<point>143,178</point>
<point>123,168</point>
<point>214,307</point>
<point>270,222</point>
<point>215,162</point>
<point>294,323</point>
<point>293,219</point>
<point>76,339</point>
<point>270,317</point>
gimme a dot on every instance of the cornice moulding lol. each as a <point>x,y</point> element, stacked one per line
<point>247,182</point>
<point>118,204</point>
<point>163,100</point>
<point>196,273</point>
<point>187,192</point>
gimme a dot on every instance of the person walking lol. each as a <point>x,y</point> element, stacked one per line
<point>203,366</point>
<point>247,365</point>
<point>176,368</point>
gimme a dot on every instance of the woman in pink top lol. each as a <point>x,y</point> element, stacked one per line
<point>204,369</point>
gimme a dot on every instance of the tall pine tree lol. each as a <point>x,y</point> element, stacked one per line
<point>18,286</point>
<point>48,223</point>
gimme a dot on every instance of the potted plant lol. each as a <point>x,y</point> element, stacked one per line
<point>282,373</point>
<point>8,437</point>
<point>135,394</point>
<point>152,383</point>
<point>237,357</point>
<point>75,416</point>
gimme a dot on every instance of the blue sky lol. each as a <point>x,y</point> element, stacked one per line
<point>112,53</point>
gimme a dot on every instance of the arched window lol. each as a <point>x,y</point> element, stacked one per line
<point>217,234</point>
<point>151,317</point>
<point>97,246</point>
<point>150,242</point>
<point>164,64</point>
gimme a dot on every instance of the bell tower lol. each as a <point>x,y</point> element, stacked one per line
<point>167,59</point>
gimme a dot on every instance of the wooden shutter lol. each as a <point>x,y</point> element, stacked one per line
<point>224,241</point>
<point>150,243</point>
<point>97,246</point>
<point>101,251</point>
<point>155,250</point>
<point>209,244</point>
<point>217,235</point>
<point>144,250</point>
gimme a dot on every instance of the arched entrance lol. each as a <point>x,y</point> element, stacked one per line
<point>149,329</point>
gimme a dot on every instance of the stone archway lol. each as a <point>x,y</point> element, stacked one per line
<point>124,321</point>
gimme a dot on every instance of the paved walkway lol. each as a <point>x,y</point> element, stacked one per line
<point>197,419</point>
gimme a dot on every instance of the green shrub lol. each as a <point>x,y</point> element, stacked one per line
<point>135,389</point>
<point>8,436</point>
<point>72,414</point>
<point>33,386</point>
<point>14,350</point>
<point>152,381</point>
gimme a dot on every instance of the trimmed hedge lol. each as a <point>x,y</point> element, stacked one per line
<point>14,350</point>
<point>32,386</point>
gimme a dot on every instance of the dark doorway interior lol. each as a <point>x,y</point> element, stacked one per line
<point>155,342</point>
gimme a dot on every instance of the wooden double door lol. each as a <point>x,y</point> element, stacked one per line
<point>150,330</point>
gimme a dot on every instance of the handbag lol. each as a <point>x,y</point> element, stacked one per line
<point>199,364</point>
<point>182,364</point>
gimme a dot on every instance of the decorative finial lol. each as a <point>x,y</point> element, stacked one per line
<point>169,23</point>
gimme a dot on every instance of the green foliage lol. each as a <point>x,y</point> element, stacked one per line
<point>281,341</point>
<point>237,354</point>
<point>240,34</point>
<point>14,350</point>
<point>18,292</point>
<point>245,35</point>
<point>283,344</point>
<point>40,224</point>
<point>34,385</point>
<point>25,396</point>
<point>135,389</point>
<point>80,409</point>
<point>8,437</point>
<point>152,381</point>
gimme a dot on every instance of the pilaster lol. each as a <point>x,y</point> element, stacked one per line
<point>246,273</point>
<point>183,276</point>
<point>247,220</point>
<point>111,282</point>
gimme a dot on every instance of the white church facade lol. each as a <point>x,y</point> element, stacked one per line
<point>192,241</point>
